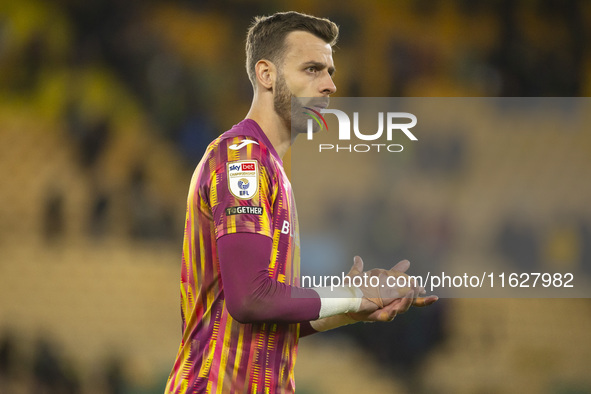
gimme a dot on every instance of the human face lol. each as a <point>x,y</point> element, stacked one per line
<point>306,73</point>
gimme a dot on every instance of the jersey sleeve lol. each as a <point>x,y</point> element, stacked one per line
<point>242,188</point>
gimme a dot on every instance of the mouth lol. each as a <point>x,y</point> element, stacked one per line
<point>319,103</point>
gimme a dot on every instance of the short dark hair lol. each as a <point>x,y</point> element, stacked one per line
<point>266,36</point>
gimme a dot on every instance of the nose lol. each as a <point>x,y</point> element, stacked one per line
<point>328,87</point>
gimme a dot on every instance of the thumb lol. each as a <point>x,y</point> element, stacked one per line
<point>357,267</point>
<point>402,266</point>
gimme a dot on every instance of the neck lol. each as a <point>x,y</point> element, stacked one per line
<point>273,126</point>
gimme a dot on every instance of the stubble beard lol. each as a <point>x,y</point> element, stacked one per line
<point>289,108</point>
<point>282,101</point>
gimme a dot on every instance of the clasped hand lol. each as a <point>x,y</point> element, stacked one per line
<point>383,299</point>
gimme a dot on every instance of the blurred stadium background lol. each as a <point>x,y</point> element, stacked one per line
<point>106,107</point>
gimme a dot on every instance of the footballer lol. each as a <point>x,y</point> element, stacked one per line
<point>242,309</point>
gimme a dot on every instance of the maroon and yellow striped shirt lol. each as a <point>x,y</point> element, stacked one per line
<point>239,186</point>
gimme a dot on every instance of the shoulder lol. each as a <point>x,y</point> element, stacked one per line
<point>241,142</point>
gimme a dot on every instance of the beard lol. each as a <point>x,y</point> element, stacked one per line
<point>282,101</point>
<point>291,108</point>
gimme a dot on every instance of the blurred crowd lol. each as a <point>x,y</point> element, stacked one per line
<point>47,370</point>
<point>182,61</point>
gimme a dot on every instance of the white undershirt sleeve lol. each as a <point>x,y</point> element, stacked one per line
<point>338,300</point>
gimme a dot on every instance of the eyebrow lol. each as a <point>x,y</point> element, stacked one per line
<point>320,66</point>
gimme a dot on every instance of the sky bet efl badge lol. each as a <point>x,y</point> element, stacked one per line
<point>243,178</point>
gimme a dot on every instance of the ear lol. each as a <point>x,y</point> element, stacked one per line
<point>266,74</point>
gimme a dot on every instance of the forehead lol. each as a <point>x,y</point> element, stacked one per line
<point>301,46</point>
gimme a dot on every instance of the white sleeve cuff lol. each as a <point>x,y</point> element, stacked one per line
<point>338,300</point>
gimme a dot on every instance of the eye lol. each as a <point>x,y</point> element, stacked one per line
<point>311,69</point>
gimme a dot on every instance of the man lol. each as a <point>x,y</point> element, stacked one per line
<point>241,306</point>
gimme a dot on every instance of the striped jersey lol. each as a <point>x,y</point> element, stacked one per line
<point>239,186</point>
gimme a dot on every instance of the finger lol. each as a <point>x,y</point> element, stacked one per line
<point>412,284</point>
<point>418,290</point>
<point>357,267</point>
<point>425,301</point>
<point>388,313</point>
<point>412,287</point>
<point>406,302</point>
<point>399,305</point>
<point>402,266</point>
<point>387,316</point>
